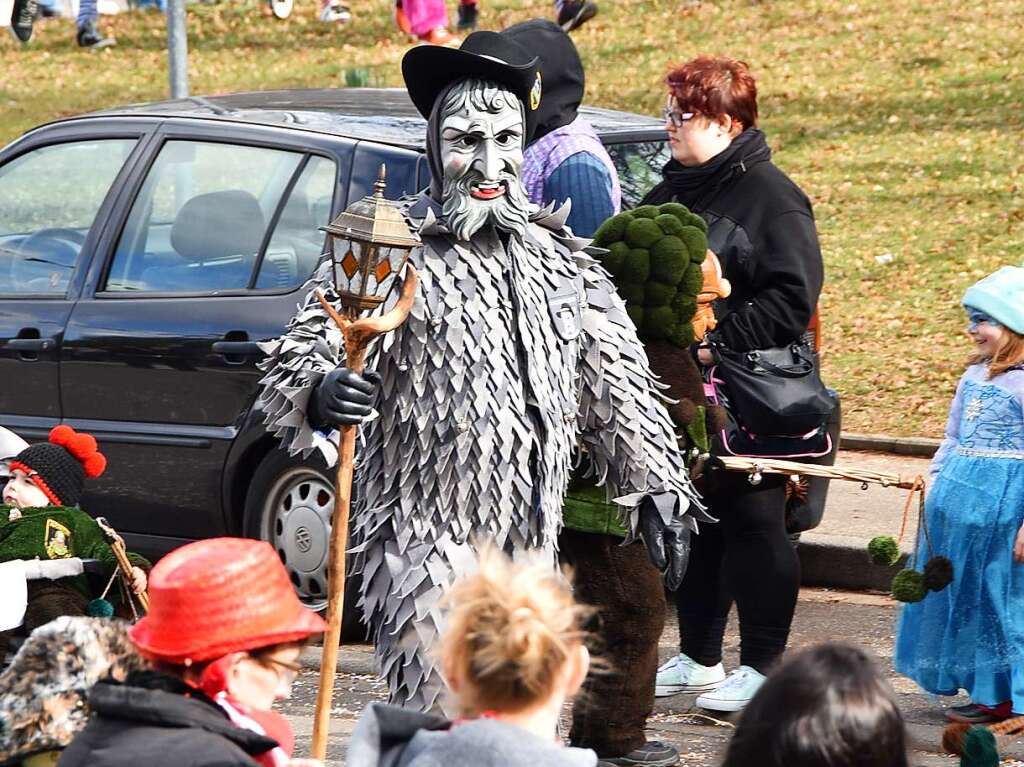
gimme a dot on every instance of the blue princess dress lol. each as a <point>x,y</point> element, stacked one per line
<point>971,635</point>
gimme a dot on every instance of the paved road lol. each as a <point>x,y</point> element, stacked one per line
<point>822,615</point>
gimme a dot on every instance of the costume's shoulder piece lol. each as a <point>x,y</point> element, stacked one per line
<point>551,222</point>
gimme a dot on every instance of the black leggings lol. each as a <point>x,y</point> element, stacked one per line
<point>746,557</point>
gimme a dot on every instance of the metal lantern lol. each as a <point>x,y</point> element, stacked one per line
<point>370,243</point>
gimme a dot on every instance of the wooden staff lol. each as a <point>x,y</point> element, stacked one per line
<point>757,466</point>
<point>123,564</point>
<point>358,334</point>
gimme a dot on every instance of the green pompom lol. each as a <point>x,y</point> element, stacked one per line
<point>612,230</point>
<point>882,550</point>
<point>642,233</point>
<point>668,224</point>
<point>696,243</point>
<point>632,293</point>
<point>682,336</point>
<point>645,211</point>
<point>693,280</point>
<point>675,209</point>
<point>659,322</point>
<point>637,266</point>
<point>980,748</point>
<point>669,259</point>
<point>615,257</point>
<point>636,313</point>
<point>908,586</point>
<point>99,608</point>
<point>692,219</point>
<point>658,293</point>
<point>684,307</point>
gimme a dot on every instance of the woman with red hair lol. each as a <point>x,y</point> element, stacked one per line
<point>761,226</point>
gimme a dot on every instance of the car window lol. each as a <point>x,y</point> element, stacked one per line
<point>639,165</point>
<point>297,244</point>
<point>49,198</point>
<point>200,218</point>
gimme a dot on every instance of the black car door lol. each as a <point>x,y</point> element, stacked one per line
<point>206,258</point>
<point>57,186</point>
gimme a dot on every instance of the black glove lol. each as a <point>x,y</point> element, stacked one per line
<point>668,545</point>
<point>343,398</point>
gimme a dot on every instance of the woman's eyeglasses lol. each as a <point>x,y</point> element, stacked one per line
<point>286,670</point>
<point>677,118</point>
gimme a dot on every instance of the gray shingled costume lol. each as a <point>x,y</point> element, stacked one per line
<point>517,353</point>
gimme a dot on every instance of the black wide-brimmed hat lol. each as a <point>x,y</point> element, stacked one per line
<point>429,69</point>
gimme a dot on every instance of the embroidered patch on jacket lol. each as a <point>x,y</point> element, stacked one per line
<point>535,94</point>
<point>57,540</point>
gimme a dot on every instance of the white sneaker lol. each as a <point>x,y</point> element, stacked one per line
<point>735,693</point>
<point>682,673</point>
<point>334,12</point>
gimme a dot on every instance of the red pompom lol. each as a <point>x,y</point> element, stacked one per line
<point>82,446</point>
<point>94,465</point>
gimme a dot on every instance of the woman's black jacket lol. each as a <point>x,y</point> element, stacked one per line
<point>149,722</point>
<point>761,226</point>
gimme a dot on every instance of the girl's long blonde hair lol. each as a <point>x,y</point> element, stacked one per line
<point>511,629</point>
<point>1010,354</point>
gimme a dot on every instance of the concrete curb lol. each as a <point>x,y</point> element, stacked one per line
<point>921,447</point>
<point>839,562</point>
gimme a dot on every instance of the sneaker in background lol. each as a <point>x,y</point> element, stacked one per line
<point>976,713</point>
<point>90,37</point>
<point>735,692</point>
<point>682,674</point>
<point>23,16</point>
<point>332,11</point>
<point>440,36</point>
<point>573,14</point>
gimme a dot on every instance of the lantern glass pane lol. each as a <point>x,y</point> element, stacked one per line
<point>346,264</point>
<point>388,267</point>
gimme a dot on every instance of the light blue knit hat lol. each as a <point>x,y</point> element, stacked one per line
<point>1001,297</point>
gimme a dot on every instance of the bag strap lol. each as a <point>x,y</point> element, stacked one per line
<point>783,372</point>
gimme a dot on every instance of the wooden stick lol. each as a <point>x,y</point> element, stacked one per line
<point>358,334</point>
<point>123,563</point>
<point>853,474</point>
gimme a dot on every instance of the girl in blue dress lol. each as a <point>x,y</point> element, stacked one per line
<point>971,635</point>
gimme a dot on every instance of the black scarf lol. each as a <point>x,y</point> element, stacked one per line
<point>696,185</point>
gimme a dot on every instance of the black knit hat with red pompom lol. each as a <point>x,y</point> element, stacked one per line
<point>59,467</point>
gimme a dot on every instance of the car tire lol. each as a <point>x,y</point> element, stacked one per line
<point>289,504</point>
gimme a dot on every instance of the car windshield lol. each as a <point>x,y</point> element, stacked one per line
<point>639,165</point>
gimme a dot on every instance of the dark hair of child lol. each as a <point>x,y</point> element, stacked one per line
<point>827,706</point>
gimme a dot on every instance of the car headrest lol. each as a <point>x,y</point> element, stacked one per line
<point>218,224</point>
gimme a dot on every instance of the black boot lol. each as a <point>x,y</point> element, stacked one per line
<point>23,16</point>
<point>575,13</point>
<point>650,754</point>
<point>467,17</point>
<point>90,37</point>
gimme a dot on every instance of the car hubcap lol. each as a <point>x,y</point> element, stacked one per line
<point>297,522</point>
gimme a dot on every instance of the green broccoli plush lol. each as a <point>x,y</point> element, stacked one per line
<point>654,254</point>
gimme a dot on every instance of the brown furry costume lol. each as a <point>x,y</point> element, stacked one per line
<point>43,693</point>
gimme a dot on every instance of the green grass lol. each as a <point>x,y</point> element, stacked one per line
<point>904,122</point>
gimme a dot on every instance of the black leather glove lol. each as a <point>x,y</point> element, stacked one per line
<point>343,398</point>
<point>668,544</point>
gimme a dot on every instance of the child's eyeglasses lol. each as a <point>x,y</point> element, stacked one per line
<point>678,118</point>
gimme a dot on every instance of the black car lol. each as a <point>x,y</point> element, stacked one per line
<point>143,253</point>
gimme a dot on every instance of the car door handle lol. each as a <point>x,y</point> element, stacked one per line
<point>31,344</point>
<point>248,348</point>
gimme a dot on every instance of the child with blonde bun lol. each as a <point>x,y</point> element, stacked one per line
<point>513,654</point>
<point>970,636</point>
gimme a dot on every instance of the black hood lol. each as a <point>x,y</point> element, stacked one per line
<point>156,699</point>
<point>561,72</point>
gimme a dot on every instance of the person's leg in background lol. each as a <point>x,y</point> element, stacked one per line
<point>610,713</point>
<point>89,35</point>
<point>468,15</point>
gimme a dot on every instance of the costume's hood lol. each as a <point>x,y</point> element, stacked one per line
<point>561,72</point>
<point>43,691</point>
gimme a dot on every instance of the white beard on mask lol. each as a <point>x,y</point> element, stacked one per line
<point>465,215</point>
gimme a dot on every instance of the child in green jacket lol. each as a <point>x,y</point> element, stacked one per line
<point>40,520</point>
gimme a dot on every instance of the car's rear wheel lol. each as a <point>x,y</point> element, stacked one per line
<point>290,504</point>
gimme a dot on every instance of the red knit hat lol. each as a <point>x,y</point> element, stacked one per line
<point>219,596</point>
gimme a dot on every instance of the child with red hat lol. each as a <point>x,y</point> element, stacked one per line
<point>40,520</point>
<point>223,636</point>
